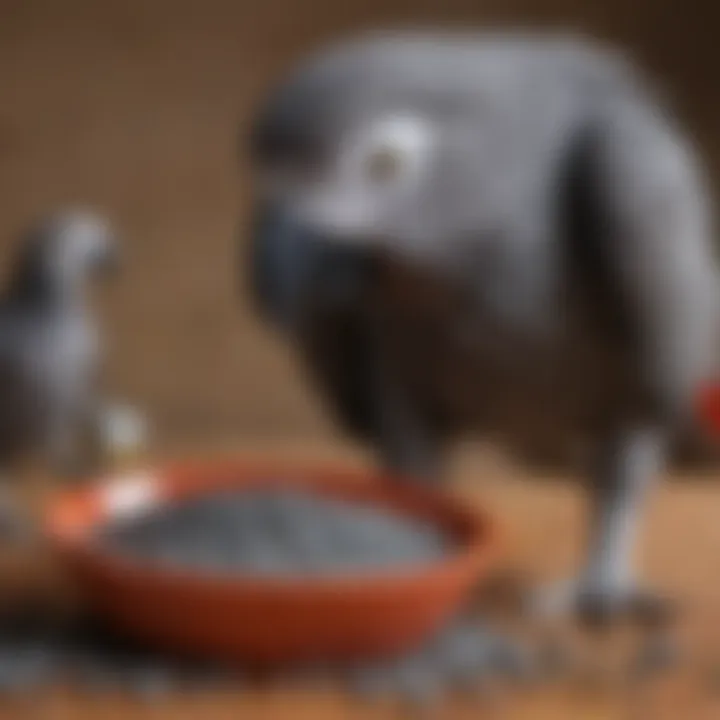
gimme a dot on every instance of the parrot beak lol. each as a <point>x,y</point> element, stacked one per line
<point>294,269</point>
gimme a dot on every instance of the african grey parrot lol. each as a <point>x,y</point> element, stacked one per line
<point>49,346</point>
<point>499,233</point>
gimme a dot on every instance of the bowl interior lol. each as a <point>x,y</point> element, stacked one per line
<point>76,516</point>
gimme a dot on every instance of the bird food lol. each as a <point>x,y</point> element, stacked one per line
<point>276,532</point>
<point>465,655</point>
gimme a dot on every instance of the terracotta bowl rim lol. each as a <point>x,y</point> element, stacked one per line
<point>479,544</point>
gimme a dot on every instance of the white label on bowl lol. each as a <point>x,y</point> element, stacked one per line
<point>131,494</point>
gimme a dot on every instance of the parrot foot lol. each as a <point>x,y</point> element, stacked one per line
<point>598,606</point>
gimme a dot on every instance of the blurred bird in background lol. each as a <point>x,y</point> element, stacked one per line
<point>502,234</point>
<point>50,349</point>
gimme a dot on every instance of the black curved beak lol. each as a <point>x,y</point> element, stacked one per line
<point>293,270</point>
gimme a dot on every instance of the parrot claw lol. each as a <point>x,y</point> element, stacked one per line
<point>598,607</point>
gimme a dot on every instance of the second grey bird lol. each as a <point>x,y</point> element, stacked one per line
<point>505,234</point>
<point>49,342</point>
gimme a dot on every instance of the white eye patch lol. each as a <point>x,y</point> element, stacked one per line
<point>390,151</point>
<point>375,168</point>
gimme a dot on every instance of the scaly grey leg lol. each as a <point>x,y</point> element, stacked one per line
<point>629,462</point>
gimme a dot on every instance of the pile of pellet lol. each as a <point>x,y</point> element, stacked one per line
<point>467,656</point>
<point>90,658</point>
<point>86,655</point>
<point>277,532</point>
<point>464,656</point>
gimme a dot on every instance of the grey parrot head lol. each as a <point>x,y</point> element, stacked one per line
<point>62,252</point>
<point>370,149</point>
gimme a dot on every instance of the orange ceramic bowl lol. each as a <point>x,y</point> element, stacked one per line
<point>257,620</point>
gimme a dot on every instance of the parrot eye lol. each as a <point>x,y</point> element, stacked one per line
<point>392,149</point>
<point>384,164</point>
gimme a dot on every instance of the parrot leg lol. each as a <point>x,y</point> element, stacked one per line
<point>411,456</point>
<point>408,447</point>
<point>629,463</point>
